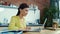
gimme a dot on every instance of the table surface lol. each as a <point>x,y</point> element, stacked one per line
<point>41,32</point>
<point>44,32</point>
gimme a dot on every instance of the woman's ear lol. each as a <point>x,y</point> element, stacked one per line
<point>20,9</point>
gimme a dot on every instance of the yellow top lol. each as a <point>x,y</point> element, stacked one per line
<point>16,23</point>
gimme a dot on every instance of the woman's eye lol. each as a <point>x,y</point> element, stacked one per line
<point>26,10</point>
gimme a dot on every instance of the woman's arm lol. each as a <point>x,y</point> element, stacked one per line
<point>12,24</point>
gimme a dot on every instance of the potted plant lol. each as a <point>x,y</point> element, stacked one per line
<point>49,13</point>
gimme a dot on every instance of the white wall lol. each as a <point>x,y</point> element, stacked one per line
<point>7,13</point>
<point>31,17</point>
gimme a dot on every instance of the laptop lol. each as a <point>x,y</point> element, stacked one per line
<point>36,29</point>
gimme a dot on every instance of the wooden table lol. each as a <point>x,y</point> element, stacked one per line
<point>41,32</point>
<point>44,32</point>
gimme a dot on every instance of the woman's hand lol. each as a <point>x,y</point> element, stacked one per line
<point>22,29</point>
<point>25,29</point>
<point>28,28</point>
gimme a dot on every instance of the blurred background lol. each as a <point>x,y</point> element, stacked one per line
<point>38,11</point>
<point>41,12</point>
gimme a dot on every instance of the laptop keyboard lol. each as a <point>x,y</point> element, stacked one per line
<point>34,30</point>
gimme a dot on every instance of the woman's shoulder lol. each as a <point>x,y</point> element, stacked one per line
<point>14,16</point>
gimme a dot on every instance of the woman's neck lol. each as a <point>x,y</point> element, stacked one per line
<point>21,16</point>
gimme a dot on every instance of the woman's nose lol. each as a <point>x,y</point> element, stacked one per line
<point>26,12</point>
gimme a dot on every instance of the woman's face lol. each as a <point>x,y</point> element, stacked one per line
<point>24,11</point>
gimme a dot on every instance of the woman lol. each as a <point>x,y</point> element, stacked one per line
<point>18,22</point>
